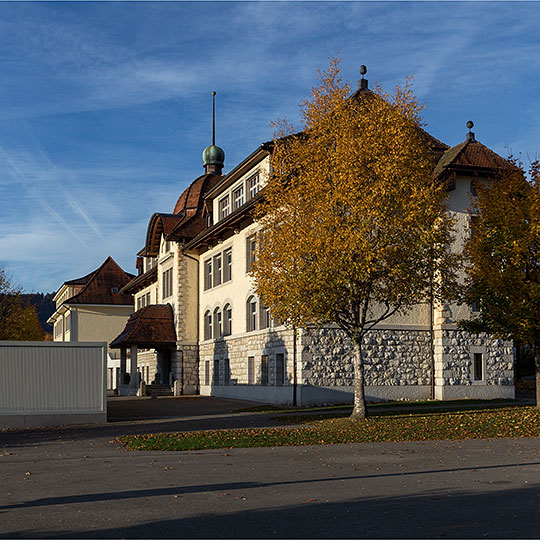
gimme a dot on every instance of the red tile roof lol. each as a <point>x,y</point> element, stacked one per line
<point>186,221</point>
<point>192,197</point>
<point>471,155</point>
<point>101,286</point>
<point>149,327</point>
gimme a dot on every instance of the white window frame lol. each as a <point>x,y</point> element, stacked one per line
<point>208,274</point>
<point>224,207</point>
<point>253,186</point>
<point>251,314</point>
<point>217,262</point>
<point>251,246</point>
<point>227,265</point>
<point>238,196</point>
<point>227,319</point>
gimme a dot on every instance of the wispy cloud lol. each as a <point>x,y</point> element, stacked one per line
<point>106,108</point>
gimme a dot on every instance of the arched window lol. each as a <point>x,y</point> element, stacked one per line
<point>208,325</point>
<point>251,314</point>
<point>227,320</point>
<point>218,326</point>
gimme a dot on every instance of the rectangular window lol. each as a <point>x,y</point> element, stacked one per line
<point>280,369</point>
<point>216,373</point>
<point>478,367</point>
<point>148,293</point>
<point>207,372</point>
<point>250,252</point>
<point>251,370</point>
<point>208,274</point>
<point>167,283</point>
<point>139,303</point>
<point>226,372</point>
<point>227,265</point>
<point>252,186</point>
<point>209,219</point>
<point>475,308</point>
<point>264,370</point>
<point>238,197</point>
<point>223,207</point>
<point>217,269</point>
<point>59,328</point>
<point>68,322</point>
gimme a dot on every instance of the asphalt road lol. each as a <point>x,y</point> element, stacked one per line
<point>77,484</point>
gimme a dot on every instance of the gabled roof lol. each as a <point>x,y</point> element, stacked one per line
<point>470,155</point>
<point>80,281</point>
<point>100,287</point>
<point>149,327</point>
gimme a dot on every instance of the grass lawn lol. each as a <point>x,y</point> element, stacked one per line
<point>396,426</point>
<point>430,404</point>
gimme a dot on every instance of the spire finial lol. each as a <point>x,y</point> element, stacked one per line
<point>470,135</point>
<point>213,118</point>
<point>213,156</point>
<point>363,83</point>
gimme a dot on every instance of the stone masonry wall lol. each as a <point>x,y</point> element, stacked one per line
<point>454,358</point>
<point>391,357</point>
<point>237,350</point>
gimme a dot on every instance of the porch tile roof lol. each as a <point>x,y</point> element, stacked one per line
<point>148,327</point>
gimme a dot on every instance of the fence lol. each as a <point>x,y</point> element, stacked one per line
<point>52,383</point>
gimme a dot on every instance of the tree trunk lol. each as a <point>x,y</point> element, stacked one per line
<point>359,408</point>
<point>537,370</point>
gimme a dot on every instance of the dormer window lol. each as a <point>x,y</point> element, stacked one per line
<point>253,186</point>
<point>209,219</point>
<point>238,197</point>
<point>115,290</point>
<point>224,207</point>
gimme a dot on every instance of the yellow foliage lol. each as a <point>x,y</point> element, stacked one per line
<point>353,226</point>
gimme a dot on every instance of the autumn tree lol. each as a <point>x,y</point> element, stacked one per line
<point>353,229</point>
<point>503,259</point>
<point>18,319</point>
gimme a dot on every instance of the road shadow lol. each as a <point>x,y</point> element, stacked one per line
<point>508,513</point>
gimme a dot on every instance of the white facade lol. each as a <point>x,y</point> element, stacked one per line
<point>229,345</point>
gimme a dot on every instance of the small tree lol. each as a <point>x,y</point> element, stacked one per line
<point>503,254</point>
<point>353,227</point>
<point>18,319</point>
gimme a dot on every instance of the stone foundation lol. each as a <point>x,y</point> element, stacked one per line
<point>397,366</point>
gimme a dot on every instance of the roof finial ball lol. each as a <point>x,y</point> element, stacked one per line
<point>470,135</point>
<point>213,156</point>
<point>363,83</point>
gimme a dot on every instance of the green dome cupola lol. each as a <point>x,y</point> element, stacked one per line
<point>213,156</point>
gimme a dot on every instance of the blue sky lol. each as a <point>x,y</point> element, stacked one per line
<point>105,107</point>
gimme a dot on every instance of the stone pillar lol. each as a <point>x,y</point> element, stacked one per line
<point>123,356</point>
<point>159,366</point>
<point>134,379</point>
